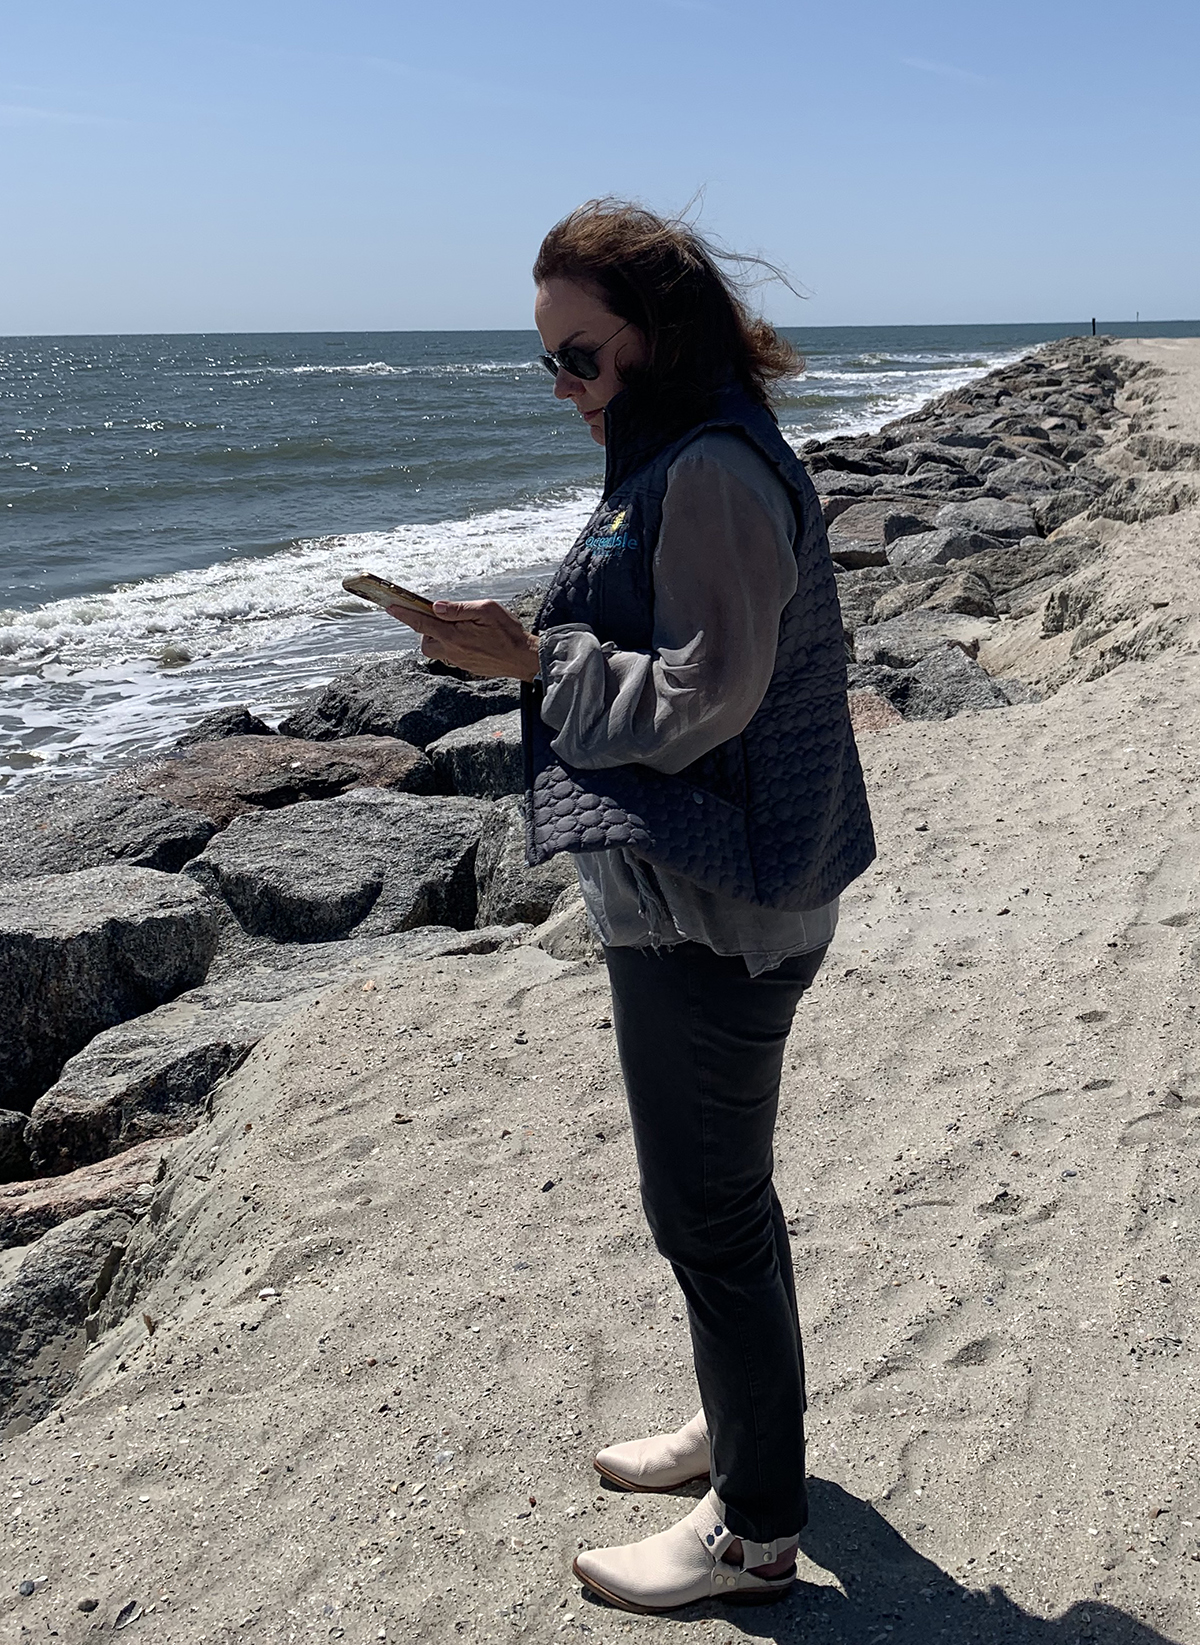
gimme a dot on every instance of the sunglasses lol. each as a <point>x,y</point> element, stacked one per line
<point>580,362</point>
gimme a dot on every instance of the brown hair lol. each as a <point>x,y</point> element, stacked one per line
<point>661,275</point>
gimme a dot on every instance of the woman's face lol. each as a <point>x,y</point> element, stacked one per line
<point>568,312</point>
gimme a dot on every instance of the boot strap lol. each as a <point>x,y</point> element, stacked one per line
<point>716,1537</point>
<point>764,1553</point>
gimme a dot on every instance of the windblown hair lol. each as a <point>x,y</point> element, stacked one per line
<point>663,276</point>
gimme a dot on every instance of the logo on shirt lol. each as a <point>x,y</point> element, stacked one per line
<point>610,536</point>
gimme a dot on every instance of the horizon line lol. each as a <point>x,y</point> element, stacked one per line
<point>442,331</point>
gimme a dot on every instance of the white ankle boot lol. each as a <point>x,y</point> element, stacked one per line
<point>659,1463</point>
<point>679,1566</point>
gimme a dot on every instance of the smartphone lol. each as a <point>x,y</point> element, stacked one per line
<point>381,592</point>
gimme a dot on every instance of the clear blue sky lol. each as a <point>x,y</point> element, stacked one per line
<point>353,164</point>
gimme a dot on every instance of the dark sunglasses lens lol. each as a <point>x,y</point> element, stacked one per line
<point>550,363</point>
<point>580,363</point>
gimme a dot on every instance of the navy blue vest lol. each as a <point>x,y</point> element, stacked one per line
<point>776,816</point>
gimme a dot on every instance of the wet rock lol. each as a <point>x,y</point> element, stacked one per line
<point>905,640</point>
<point>55,827</point>
<point>234,721</point>
<point>226,778</point>
<point>940,547</point>
<point>368,861</point>
<point>81,952</point>
<point>14,1155</point>
<point>1001,518</point>
<point>483,759</point>
<point>154,1077</point>
<point>510,892</point>
<point>45,1311</point>
<point>123,1183</point>
<point>390,696</point>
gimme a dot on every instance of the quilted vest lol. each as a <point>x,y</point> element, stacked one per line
<point>776,816</point>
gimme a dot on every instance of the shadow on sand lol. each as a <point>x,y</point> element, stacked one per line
<point>893,1595</point>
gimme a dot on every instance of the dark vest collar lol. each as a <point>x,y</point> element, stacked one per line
<point>630,442</point>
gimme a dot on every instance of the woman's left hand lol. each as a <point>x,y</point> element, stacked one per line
<point>479,636</point>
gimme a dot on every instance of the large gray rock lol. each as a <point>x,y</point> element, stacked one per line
<point>902,641</point>
<point>1056,508</point>
<point>875,524</point>
<point>222,779</point>
<point>484,759</point>
<point>1023,477</point>
<point>839,492</point>
<point>944,683</point>
<point>55,827</point>
<point>124,1183</point>
<point>154,1077</point>
<point>858,591</point>
<point>948,682</point>
<point>45,1311</point>
<point>390,696</point>
<point>368,861</point>
<point>509,891</point>
<point>81,952</point>
<point>1034,560</point>
<point>964,592</point>
<point>934,483</point>
<point>940,547</point>
<point>1000,517</point>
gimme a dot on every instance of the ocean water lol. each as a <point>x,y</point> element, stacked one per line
<point>176,513</point>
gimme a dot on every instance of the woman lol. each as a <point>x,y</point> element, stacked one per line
<point>687,738</point>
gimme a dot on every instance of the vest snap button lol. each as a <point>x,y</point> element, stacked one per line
<point>698,799</point>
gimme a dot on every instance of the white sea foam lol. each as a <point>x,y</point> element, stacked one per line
<point>87,681</point>
<point>881,396</point>
<point>90,680</point>
<point>377,368</point>
<point>209,608</point>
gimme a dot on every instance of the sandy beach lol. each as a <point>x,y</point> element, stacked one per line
<point>394,1293</point>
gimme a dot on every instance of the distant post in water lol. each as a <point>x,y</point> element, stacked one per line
<point>1093,326</point>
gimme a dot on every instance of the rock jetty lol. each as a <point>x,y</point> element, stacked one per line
<point>322,1273</point>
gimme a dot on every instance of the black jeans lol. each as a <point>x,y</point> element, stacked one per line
<point>701,1045</point>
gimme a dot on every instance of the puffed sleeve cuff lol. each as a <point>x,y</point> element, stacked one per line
<point>563,655</point>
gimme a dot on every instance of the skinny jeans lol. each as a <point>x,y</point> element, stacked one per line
<point>701,1044</point>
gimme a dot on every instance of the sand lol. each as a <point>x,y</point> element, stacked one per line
<point>987,1151</point>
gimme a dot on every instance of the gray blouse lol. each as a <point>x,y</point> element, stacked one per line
<point>723,569</point>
